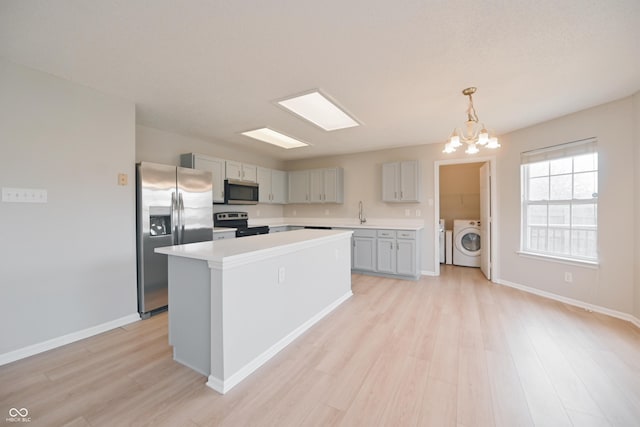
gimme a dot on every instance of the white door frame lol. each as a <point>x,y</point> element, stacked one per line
<point>494,209</point>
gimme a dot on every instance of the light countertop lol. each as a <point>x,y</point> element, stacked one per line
<point>374,224</point>
<point>252,246</point>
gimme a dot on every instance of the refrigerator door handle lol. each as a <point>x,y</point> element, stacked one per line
<point>174,217</point>
<point>181,218</point>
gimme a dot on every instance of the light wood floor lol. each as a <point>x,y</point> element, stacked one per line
<point>449,351</point>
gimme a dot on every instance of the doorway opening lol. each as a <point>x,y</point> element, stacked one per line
<point>465,189</point>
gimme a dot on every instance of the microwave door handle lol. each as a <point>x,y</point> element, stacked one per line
<point>174,218</point>
<point>181,218</point>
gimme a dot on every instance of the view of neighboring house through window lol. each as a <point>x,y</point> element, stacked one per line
<point>560,201</point>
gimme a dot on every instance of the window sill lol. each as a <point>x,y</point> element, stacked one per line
<point>560,260</point>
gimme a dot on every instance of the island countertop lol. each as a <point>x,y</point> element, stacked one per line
<point>248,247</point>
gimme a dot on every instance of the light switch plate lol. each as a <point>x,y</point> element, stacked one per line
<point>24,195</point>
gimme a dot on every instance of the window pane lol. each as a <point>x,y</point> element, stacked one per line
<point>560,204</point>
<point>585,162</point>
<point>538,169</point>
<point>583,243</point>
<point>559,242</point>
<point>560,166</point>
<point>537,239</point>
<point>584,215</point>
<point>539,188</point>
<point>560,187</point>
<point>537,215</point>
<point>585,185</point>
<point>560,215</point>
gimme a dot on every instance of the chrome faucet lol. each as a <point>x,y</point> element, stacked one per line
<point>361,216</point>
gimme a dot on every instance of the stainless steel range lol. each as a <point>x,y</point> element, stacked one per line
<point>239,221</point>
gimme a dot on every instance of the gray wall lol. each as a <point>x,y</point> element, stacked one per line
<point>69,264</point>
<point>636,192</point>
<point>612,284</point>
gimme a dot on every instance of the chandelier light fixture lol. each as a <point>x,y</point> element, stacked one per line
<point>474,135</point>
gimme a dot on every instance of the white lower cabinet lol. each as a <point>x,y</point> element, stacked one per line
<point>278,229</point>
<point>386,252</point>
<point>224,235</point>
<point>364,250</point>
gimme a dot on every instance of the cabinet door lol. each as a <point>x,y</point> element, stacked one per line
<point>409,184</point>
<point>364,253</point>
<point>390,182</point>
<point>249,173</point>
<point>406,257</point>
<point>278,187</point>
<point>387,255</point>
<point>217,169</point>
<point>316,186</point>
<point>264,185</point>
<point>299,186</point>
<point>330,184</point>
<point>234,170</point>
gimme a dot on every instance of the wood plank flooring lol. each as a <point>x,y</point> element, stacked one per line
<point>453,350</point>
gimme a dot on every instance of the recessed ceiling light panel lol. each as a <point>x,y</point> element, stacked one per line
<point>319,110</point>
<point>276,138</point>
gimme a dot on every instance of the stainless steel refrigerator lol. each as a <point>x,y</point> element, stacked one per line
<point>174,207</point>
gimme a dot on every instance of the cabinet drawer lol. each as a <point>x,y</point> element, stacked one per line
<point>364,233</point>
<point>387,233</point>
<point>404,234</point>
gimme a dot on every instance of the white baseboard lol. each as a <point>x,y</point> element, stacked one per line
<point>428,273</point>
<point>223,386</point>
<point>576,303</point>
<point>31,350</point>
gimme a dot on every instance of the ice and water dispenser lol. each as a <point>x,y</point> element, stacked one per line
<point>159,220</point>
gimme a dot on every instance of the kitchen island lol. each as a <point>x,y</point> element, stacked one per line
<point>233,304</point>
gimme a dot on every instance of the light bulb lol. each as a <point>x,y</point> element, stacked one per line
<point>455,140</point>
<point>483,137</point>
<point>448,149</point>
<point>493,143</point>
<point>472,149</point>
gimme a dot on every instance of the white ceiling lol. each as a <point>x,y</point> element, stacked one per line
<point>212,69</point>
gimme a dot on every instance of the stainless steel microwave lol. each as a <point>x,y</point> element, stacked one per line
<point>240,192</point>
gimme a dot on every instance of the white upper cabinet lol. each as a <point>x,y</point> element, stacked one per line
<point>299,186</point>
<point>272,186</point>
<point>242,171</point>
<point>206,163</point>
<point>279,186</point>
<point>326,185</point>
<point>401,181</point>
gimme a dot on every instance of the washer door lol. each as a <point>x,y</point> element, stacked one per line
<point>468,242</point>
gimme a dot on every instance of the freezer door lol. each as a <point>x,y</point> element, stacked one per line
<point>156,202</point>
<point>195,206</point>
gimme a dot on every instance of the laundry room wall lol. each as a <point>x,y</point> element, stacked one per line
<point>459,192</point>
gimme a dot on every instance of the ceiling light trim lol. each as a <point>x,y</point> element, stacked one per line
<point>349,117</point>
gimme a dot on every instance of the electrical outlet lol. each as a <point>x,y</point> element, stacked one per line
<point>407,212</point>
<point>568,277</point>
<point>281,275</point>
<point>257,212</point>
<point>418,212</point>
<point>123,179</point>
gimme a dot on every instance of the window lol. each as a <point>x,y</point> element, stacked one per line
<point>560,201</point>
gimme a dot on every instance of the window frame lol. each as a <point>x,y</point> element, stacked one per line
<point>548,154</point>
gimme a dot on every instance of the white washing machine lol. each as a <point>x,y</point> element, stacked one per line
<point>466,242</point>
